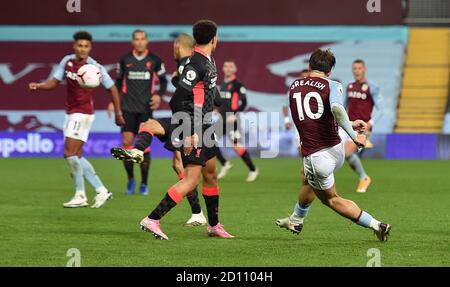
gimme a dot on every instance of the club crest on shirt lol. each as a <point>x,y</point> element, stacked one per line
<point>364,87</point>
<point>190,75</point>
<point>71,75</point>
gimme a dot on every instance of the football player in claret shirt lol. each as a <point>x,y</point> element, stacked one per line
<point>317,110</point>
<point>287,121</point>
<point>137,72</point>
<point>362,96</point>
<point>79,118</point>
<point>233,101</point>
<point>195,94</point>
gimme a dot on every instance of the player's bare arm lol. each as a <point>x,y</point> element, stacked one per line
<point>47,85</point>
<point>360,126</point>
<point>342,119</point>
<point>156,97</point>
<point>115,100</point>
<point>155,102</point>
<point>110,109</point>
<point>287,121</point>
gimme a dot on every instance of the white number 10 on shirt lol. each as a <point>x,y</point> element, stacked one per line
<point>306,106</point>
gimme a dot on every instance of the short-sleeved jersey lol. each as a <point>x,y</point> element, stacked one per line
<point>309,101</point>
<point>180,67</point>
<point>233,96</point>
<point>360,100</point>
<point>79,100</point>
<point>136,80</point>
<point>176,102</point>
<point>197,87</point>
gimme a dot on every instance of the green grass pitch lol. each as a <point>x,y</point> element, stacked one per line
<point>35,230</point>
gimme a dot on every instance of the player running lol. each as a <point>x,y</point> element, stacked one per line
<point>79,118</point>
<point>362,96</point>
<point>137,72</point>
<point>233,101</point>
<point>162,128</point>
<point>194,98</point>
<point>316,106</point>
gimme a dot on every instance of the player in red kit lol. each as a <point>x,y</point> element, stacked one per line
<point>79,118</point>
<point>317,109</point>
<point>362,97</point>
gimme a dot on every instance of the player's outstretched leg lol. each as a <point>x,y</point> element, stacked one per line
<point>210,190</point>
<point>197,218</point>
<point>72,148</point>
<point>91,176</point>
<point>350,210</point>
<point>143,141</point>
<point>174,195</point>
<point>245,156</point>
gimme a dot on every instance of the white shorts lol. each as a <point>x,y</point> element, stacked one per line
<point>298,141</point>
<point>344,135</point>
<point>320,166</point>
<point>77,126</point>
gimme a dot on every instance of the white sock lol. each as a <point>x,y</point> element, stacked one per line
<point>297,218</point>
<point>90,175</point>
<point>81,193</point>
<point>375,224</point>
<point>101,189</point>
<point>77,173</point>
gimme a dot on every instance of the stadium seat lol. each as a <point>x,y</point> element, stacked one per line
<point>425,84</point>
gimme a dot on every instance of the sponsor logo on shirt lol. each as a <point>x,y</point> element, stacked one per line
<point>187,82</point>
<point>225,95</point>
<point>71,75</point>
<point>133,75</point>
<point>213,82</point>
<point>357,95</point>
<point>340,91</point>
